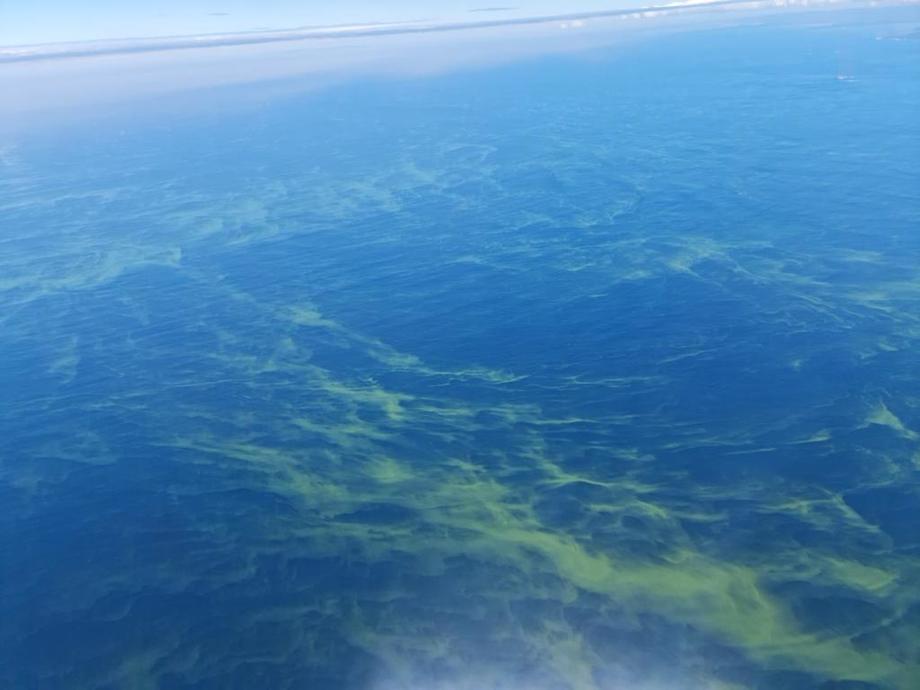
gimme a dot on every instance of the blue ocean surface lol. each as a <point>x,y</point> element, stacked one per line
<point>587,372</point>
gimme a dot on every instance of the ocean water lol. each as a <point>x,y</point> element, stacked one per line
<point>587,372</point>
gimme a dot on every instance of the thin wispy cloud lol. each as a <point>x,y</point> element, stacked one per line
<point>72,77</point>
<point>202,41</point>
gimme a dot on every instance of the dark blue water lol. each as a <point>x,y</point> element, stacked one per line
<point>589,372</point>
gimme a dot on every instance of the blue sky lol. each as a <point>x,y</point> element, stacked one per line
<point>41,21</point>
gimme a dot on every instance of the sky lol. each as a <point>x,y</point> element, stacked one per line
<point>52,21</point>
<point>59,81</point>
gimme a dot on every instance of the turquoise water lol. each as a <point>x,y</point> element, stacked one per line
<point>586,372</point>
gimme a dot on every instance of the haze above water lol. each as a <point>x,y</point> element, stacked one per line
<point>583,371</point>
<point>50,21</point>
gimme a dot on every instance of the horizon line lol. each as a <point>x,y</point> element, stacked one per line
<point>108,47</point>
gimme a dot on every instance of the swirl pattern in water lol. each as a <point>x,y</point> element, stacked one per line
<point>567,374</point>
